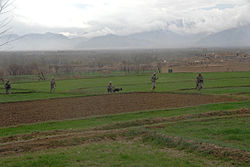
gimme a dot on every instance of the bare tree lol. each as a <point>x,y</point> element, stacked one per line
<point>5,20</point>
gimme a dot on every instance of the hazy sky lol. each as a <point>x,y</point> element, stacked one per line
<point>121,17</point>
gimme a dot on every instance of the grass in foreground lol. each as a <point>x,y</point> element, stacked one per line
<point>229,132</point>
<point>111,154</point>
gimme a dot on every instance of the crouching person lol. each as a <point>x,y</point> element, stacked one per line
<point>110,87</point>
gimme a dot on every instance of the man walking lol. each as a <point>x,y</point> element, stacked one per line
<point>52,85</point>
<point>7,87</point>
<point>199,82</point>
<point>153,79</point>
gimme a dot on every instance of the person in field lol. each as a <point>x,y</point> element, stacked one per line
<point>199,82</point>
<point>153,79</point>
<point>110,87</point>
<point>52,85</point>
<point>7,86</point>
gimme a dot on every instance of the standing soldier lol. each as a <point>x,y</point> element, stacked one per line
<point>153,79</point>
<point>52,85</point>
<point>110,87</point>
<point>199,82</point>
<point>7,87</point>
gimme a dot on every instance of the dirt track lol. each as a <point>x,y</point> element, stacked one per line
<point>69,108</point>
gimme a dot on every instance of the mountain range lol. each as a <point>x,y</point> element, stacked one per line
<point>235,37</point>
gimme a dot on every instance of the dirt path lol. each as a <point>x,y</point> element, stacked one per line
<point>69,108</point>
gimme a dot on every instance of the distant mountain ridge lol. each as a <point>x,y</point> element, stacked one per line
<point>235,37</point>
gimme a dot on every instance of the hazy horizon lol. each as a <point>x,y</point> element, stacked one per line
<point>126,24</point>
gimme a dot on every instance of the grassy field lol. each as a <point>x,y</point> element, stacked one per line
<point>113,154</point>
<point>231,132</point>
<point>204,135</point>
<point>215,83</point>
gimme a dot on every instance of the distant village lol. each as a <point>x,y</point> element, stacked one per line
<point>209,62</point>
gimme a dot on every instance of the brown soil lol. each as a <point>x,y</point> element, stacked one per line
<point>62,140</point>
<point>70,108</point>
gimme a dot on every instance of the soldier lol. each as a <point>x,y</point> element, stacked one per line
<point>153,79</point>
<point>110,87</point>
<point>52,85</point>
<point>7,87</point>
<point>199,82</point>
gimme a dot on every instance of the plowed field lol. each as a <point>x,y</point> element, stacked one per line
<point>70,108</point>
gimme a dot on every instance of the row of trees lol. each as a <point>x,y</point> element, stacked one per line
<point>34,62</point>
<point>35,69</point>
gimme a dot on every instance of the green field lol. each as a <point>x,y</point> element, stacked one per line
<point>215,83</point>
<point>231,132</point>
<point>110,154</point>
<point>215,134</point>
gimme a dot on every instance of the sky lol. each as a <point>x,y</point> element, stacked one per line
<point>90,18</point>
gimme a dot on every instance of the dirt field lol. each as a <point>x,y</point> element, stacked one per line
<point>69,108</point>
